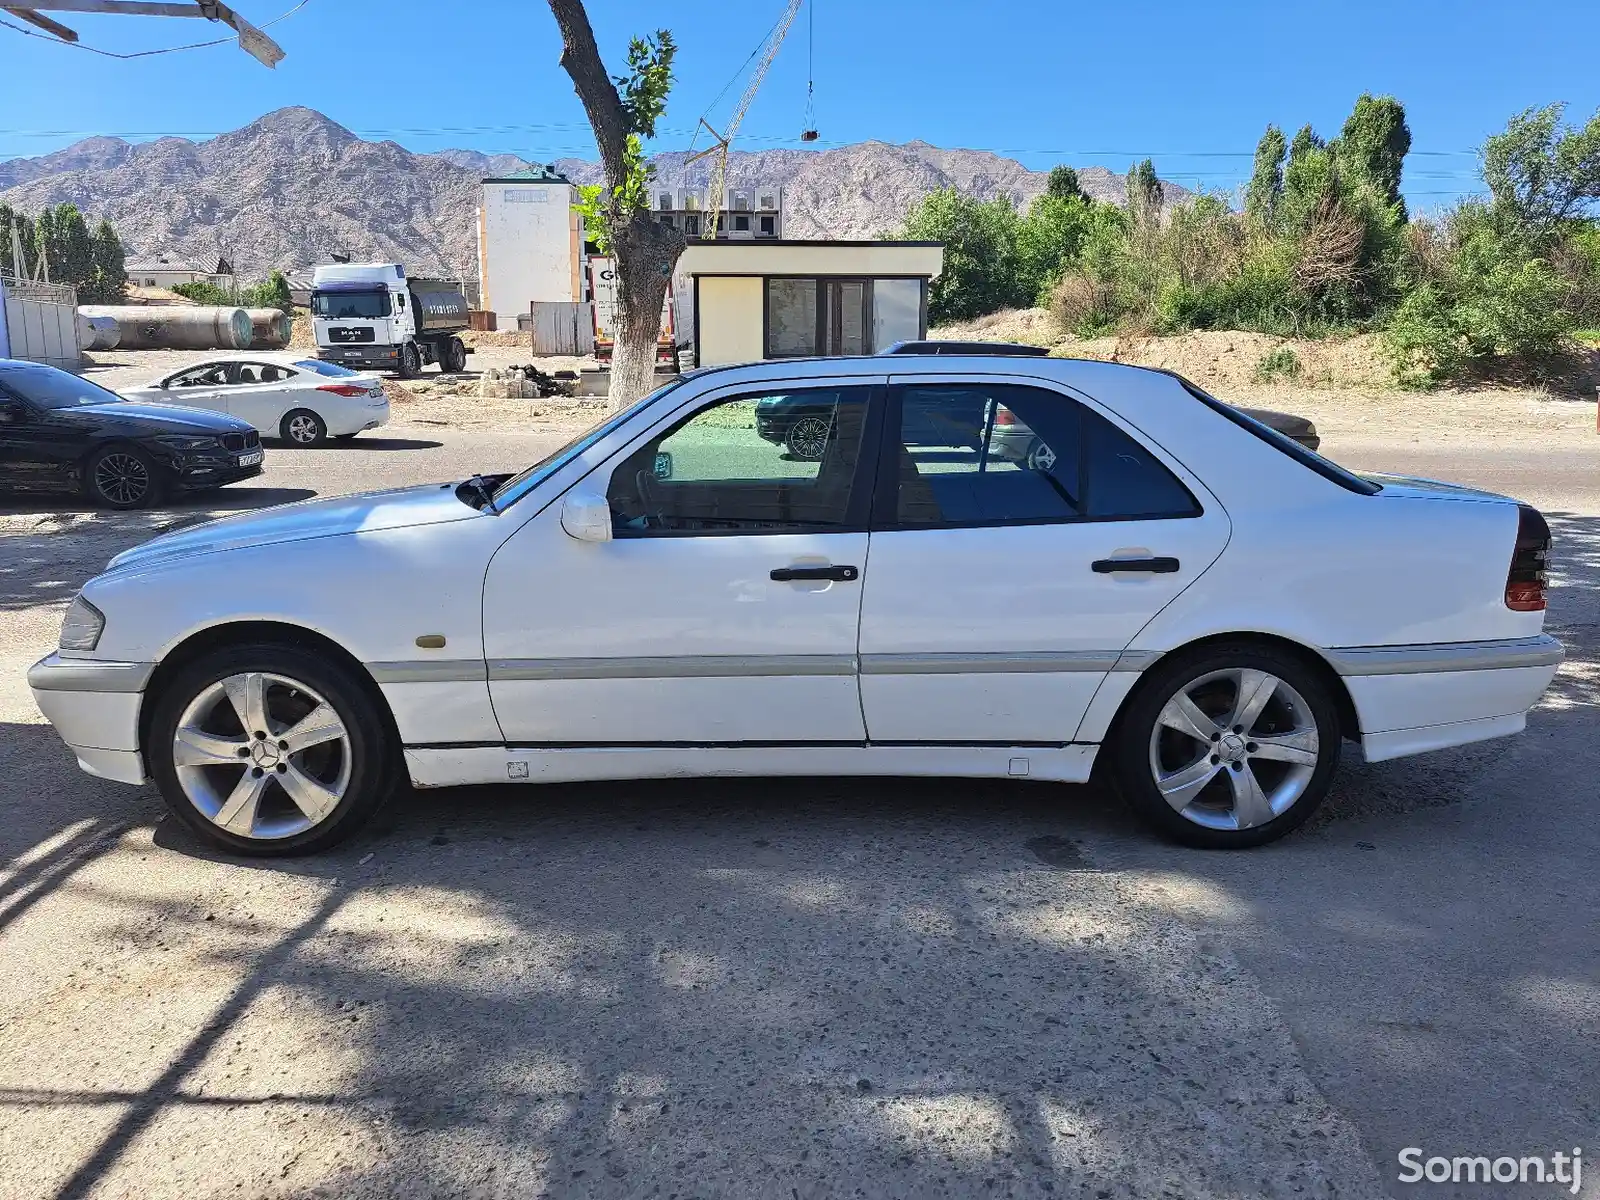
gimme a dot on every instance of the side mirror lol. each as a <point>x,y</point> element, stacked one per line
<point>586,516</point>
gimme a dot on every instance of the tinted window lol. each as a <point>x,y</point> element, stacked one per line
<point>791,317</point>
<point>757,464</point>
<point>986,455</point>
<point>333,370</point>
<point>1125,479</point>
<point>205,375</point>
<point>46,387</point>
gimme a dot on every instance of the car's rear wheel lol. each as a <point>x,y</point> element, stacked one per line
<point>1229,747</point>
<point>121,477</point>
<point>268,749</point>
<point>302,427</point>
<point>807,438</point>
<point>1040,457</point>
<point>455,357</point>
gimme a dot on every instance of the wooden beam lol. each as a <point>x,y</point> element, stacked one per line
<point>44,23</point>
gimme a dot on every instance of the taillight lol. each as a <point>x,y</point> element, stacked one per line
<point>1525,582</point>
<point>1004,416</point>
<point>343,389</point>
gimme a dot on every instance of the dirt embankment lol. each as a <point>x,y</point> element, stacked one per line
<point>1344,384</point>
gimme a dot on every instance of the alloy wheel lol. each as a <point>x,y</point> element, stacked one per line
<point>1234,749</point>
<point>122,478</point>
<point>1041,457</point>
<point>303,429</point>
<point>808,437</point>
<point>262,756</point>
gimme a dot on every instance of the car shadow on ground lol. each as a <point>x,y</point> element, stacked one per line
<point>358,443</point>
<point>790,987</point>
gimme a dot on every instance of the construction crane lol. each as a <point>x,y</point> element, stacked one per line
<point>723,140</point>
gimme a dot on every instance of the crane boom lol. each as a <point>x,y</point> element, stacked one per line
<point>724,140</point>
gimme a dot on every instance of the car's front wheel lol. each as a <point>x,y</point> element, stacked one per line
<point>410,361</point>
<point>1228,747</point>
<point>269,749</point>
<point>121,477</point>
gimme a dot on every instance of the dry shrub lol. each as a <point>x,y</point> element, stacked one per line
<point>1083,305</point>
<point>1330,251</point>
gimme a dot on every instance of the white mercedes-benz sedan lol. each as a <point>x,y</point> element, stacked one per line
<point>1174,594</point>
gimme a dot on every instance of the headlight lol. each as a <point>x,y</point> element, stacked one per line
<point>180,441</point>
<point>82,626</point>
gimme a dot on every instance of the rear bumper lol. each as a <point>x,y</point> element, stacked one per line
<point>1411,699</point>
<point>94,706</point>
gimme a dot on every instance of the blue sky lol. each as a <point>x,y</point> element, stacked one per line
<point>1189,84</point>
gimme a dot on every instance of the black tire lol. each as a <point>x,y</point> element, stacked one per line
<point>302,427</point>
<point>807,437</point>
<point>1290,790</point>
<point>410,361</point>
<point>455,357</point>
<point>373,757</point>
<point>122,477</point>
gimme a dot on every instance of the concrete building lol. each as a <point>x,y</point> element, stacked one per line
<point>742,301</point>
<point>530,243</point>
<point>746,214</point>
<point>162,271</point>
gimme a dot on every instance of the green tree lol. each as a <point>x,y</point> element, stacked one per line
<point>1266,181</point>
<point>1145,196</point>
<point>1305,141</point>
<point>1063,183</point>
<point>980,253</point>
<point>1374,143</point>
<point>10,219</point>
<point>109,284</point>
<point>1542,172</point>
<point>1049,240</point>
<point>274,293</point>
<point>67,245</point>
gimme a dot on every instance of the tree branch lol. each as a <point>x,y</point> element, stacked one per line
<point>580,58</point>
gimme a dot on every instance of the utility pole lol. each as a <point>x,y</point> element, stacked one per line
<point>254,42</point>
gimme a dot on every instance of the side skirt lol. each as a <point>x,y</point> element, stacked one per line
<point>452,766</point>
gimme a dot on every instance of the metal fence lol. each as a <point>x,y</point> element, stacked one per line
<point>562,327</point>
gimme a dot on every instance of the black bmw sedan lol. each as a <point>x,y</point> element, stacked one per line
<point>60,433</point>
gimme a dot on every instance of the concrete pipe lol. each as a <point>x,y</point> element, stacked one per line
<point>97,333</point>
<point>270,328</point>
<point>176,327</point>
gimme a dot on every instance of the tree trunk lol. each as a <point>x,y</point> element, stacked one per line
<point>645,255</point>
<point>645,251</point>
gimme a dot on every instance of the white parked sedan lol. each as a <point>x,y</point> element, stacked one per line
<point>302,400</point>
<point>1180,596</point>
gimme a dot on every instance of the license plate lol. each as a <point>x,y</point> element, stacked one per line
<point>250,458</point>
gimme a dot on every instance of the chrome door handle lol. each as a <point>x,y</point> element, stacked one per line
<point>1156,566</point>
<point>837,574</point>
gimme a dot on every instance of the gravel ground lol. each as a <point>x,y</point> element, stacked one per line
<point>801,988</point>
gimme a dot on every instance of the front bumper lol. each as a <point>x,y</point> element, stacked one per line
<point>94,706</point>
<point>213,477</point>
<point>385,358</point>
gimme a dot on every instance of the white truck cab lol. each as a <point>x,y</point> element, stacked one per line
<point>371,315</point>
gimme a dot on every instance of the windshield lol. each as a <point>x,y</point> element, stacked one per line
<point>521,484</point>
<point>333,370</point>
<point>344,305</point>
<point>47,387</point>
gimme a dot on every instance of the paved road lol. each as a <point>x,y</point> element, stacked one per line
<point>797,988</point>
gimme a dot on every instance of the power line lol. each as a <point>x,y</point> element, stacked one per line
<point>144,53</point>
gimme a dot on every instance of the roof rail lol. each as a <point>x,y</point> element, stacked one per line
<point>940,346</point>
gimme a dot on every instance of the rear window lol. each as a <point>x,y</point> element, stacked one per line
<point>48,387</point>
<point>332,370</point>
<point>1325,467</point>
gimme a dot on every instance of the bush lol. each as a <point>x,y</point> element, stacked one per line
<point>1085,306</point>
<point>1282,363</point>
<point>203,292</point>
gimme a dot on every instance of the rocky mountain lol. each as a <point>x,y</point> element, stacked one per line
<point>294,187</point>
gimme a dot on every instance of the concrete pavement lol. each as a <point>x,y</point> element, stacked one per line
<point>800,988</point>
